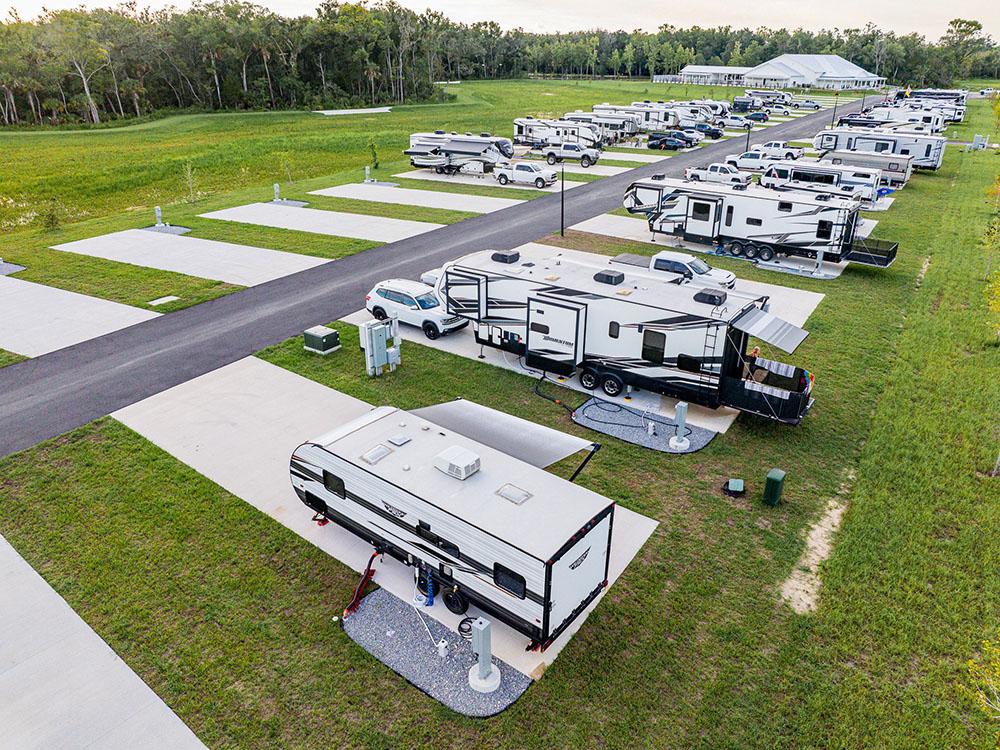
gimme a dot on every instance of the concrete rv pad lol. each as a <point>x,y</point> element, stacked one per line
<point>471,179</point>
<point>337,223</point>
<point>36,319</point>
<point>61,685</point>
<point>479,204</point>
<point>635,155</point>
<point>600,170</point>
<point>463,344</point>
<point>362,111</point>
<point>208,259</point>
<point>637,230</point>
<point>254,414</point>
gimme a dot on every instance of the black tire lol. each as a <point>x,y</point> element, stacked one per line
<point>796,106</point>
<point>584,161</point>
<point>695,178</point>
<point>378,313</point>
<point>789,156</point>
<point>551,159</point>
<point>735,248</point>
<point>502,179</point>
<point>766,253</point>
<point>439,170</point>
<point>589,379</point>
<point>540,183</point>
<point>751,251</point>
<point>612,385</point>
<point>456,602</point>
<point>431,331</point>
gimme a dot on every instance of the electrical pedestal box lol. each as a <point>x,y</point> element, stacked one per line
<point>773,486</point>
<point>321,340</point>
<point>375,340</point>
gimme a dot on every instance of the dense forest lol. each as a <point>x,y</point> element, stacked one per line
<point>95,65</point>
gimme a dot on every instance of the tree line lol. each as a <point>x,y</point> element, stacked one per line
<point>94,65</point>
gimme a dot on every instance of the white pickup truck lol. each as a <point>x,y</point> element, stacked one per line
<point>679,268</point>
<point>718,172</point>
<point>556,152</point>
<point>754,160</point>
<point>779,150</point>
<point>525,173</point>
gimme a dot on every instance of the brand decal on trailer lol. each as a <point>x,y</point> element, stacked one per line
<point>395,511</point>
<point>579,561</point>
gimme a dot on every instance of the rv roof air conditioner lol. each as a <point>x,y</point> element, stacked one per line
<point>457,462</point>
<point>714,297</point>
<point>660,176</point>
<point>614,278</point>
<point>506,256</point>
<point>438,132</point>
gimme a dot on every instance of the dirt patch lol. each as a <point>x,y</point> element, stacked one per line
<point>923,270</point>
<point>801,589</point>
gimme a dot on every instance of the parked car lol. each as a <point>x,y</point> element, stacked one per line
<point>557,152</point>
<point>805,104</point>
<point>667,143</point>
<point>734,121</point>
<point>758,116</point>
<point>708,130</point>
<point>525,173</point>
<point>717,172</point>
<point>777,109</point>
<point>413,303</point>
<point>690,139</point>
<point>754,160</point>
<point>780,150</point>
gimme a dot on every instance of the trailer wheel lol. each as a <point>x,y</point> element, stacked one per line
<point>766,254</point>
<point>735,248</point>
<point>456,602</point>
<point>751,251</point>
<point>551,159</point>
<point>378,313</point>
<point>584,161</point>
<point>612,385</point>
<point>588,379</point>
<point>539,183</point>
<point>502,179</point>
<point>439,170</point>
<point>430,330</point>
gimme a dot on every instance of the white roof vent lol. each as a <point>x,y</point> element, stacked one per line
<point>373,455</point>
<point>457,462</point>
<point>514,494</point>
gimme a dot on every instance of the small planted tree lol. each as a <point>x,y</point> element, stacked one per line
<point>189,181</point>
<point>373,150</point>
<point>52,215</point>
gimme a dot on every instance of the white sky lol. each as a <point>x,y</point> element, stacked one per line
<point>903,16</point>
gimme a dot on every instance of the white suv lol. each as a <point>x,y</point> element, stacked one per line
<point>413,303</point>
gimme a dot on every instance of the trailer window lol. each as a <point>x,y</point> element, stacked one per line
<point>700,211</point>
<point>334,484</point>
<point>614,329</point>
<point>510,581</point>
<point>784,206</point>
<point>653,345</point>
<point>729,216</point>
<point>824,230</point>
<point>754,222</point>
<point>687,363</point>
<point>539,328</point>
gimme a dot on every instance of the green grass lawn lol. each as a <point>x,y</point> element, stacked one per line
<point>9,358</point>
<point>227,614</point>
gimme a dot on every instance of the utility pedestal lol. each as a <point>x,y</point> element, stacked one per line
<point>484,675</point>
<point>680,442</point>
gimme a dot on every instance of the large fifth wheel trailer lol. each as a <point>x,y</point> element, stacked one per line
<point>927,150</point>
<point>757,222</point>
<point>524,546</point>
<point>933,120</point>
<point>896,169</point>
<point>613,128</point>
<point>618,329</point>
<point>529,131</point>
<point>648,118</point>
<point>863,181</point>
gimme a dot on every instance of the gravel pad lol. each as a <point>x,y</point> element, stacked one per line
<point>8,268</point>
<point>391,630</point>
<point>631,425</point>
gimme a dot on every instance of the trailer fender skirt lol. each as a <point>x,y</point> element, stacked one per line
<point>365,578</point>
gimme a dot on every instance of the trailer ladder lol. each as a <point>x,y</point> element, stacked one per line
<point>711,340</point>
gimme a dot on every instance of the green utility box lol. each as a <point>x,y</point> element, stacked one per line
<point>321,340</point>
<point>773,486</point>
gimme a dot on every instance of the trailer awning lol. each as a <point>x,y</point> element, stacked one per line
<point>770,328</point>
<point>532,443</point>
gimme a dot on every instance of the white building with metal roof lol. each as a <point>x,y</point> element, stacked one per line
<point>713,75</point>
<point>787,71</point>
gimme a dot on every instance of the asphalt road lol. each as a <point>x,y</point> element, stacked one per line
<point>44,397</point>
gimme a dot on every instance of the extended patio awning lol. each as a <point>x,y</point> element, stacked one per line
<point>771,328</point>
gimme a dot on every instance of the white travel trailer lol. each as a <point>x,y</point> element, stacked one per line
<point>613,128</point>
<point>501,144</point>
<point>519,543</point>
<point>618,329</point>
<point>927,150</point>
<point>861,181</point>
<point>770,96</point>
<point>531,131</point>
<point>958,96</point>
<point>648,118</point>
<point>453,156</point>
<point>689,113</point>
<point>931,119</point>
<point>896,169</point>
<point>952,111</point>
<point>757,222</point>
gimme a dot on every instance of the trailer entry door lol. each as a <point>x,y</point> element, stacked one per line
<point>703,216</point>
<point>555,334</point>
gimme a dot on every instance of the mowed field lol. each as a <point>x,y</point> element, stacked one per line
<point>227,615</point>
